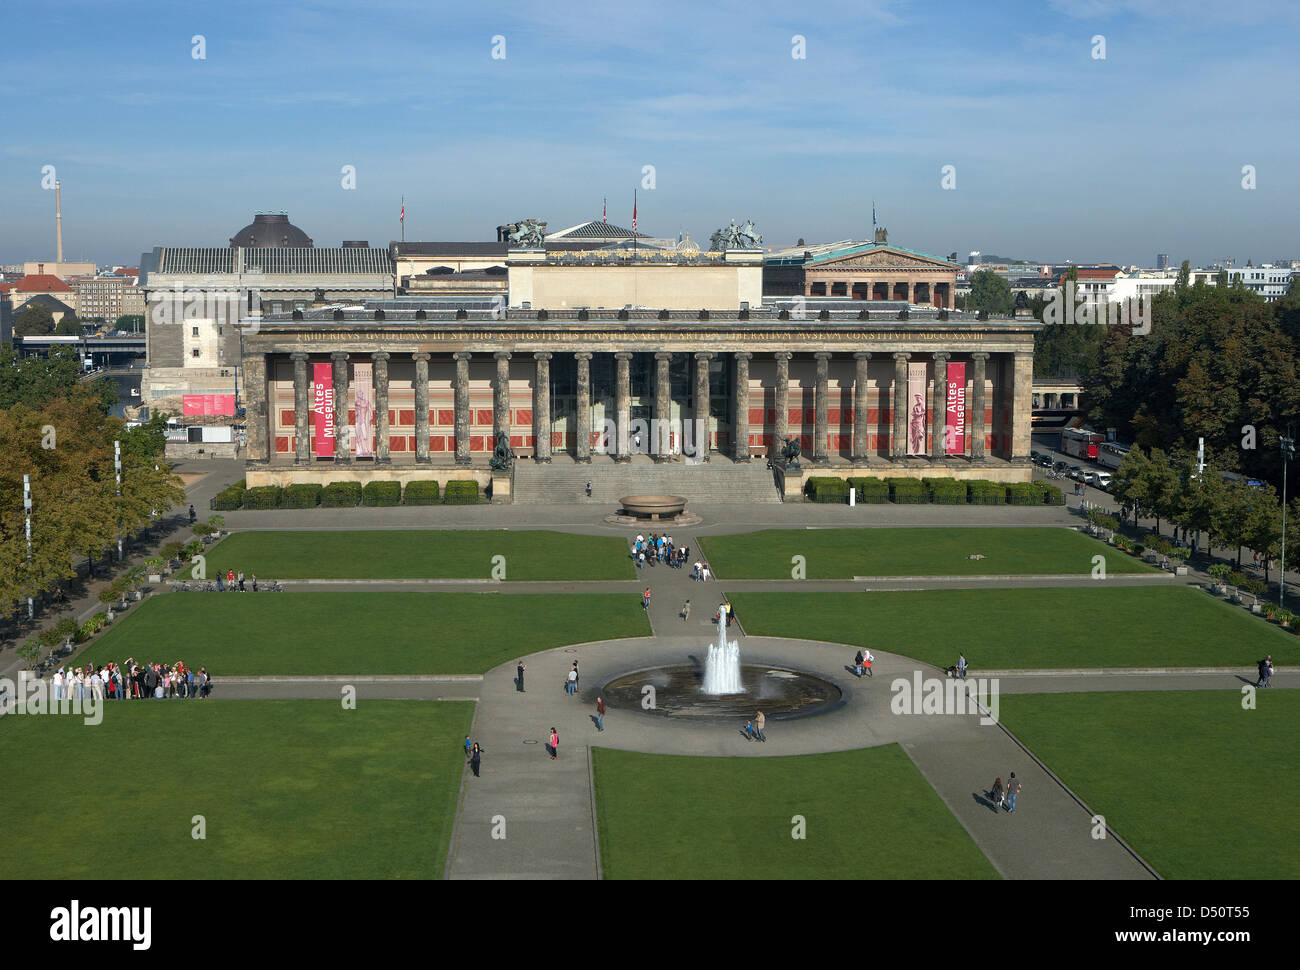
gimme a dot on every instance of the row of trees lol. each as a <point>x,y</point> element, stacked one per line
<point>58,431</point>
<point>1230,514</point>
<point>37,320</point>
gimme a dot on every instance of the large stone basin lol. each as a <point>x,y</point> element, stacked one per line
<point>653,506</point>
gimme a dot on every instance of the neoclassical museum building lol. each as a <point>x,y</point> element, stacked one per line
<point>601,355</point>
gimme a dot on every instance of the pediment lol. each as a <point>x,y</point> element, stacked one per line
<point>891,259</point>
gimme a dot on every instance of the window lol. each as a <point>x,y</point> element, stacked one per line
<point>194,352</point>
<point>194,331</point>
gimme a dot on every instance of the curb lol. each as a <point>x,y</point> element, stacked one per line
<point>1125,671</point>
<point>366,679</point>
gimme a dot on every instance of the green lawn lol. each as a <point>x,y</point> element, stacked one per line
<point>361,633</point>
<point>845,553</point>
<point>868,814</point>
<point>1201,788</point>
<point>288,790</point>
<point>1162,626</point>
<point>420,554</point>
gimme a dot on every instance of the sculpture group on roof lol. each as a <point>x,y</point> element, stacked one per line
<point>736,237</point>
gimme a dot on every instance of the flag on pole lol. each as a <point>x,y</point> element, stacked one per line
<point>634,212</point>
<point>403,219</point>
<point>604,205</point>
<point>873,213</point>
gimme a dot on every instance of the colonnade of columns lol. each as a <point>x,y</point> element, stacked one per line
<point>913,291</point>
<point>255,370</point>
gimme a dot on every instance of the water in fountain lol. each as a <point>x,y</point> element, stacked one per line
<point>722,666</point>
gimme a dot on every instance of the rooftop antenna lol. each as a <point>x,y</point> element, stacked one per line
<point>58,220</point>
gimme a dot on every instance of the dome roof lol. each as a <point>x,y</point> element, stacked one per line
<point>271,230</point>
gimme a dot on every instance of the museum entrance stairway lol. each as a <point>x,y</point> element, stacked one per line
<point>719,481</point>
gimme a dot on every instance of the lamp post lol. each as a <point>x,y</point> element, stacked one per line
<point>27,512</point>
<point>117,475</point>
<point>1288,453</point>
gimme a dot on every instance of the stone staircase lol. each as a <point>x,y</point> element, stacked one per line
<point>719,481</point>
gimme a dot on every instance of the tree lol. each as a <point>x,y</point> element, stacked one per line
<point>69,326</point>
<point>131,322</point>
<point>1180,283</point>
<point>33,320</point>
<point>990,292</point>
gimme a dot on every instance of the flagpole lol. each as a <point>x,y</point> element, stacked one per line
<point>634,220</point>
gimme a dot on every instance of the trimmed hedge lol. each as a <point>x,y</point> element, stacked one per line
<point>461,492</point>
<point>1049,494</point>
<point>945,491</point>
<point>230,498</point>
<point>381,493</point>
<point>872,491</point>
<point>263,497</point>
<point>421,493</point>
<point>828,490</point>
<point>1023,493</point>
<point>341,495</point>
<point>305,495</point>
<point>908,491</point>
<point>981,492</point>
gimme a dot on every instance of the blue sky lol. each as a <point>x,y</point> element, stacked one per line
<point>1057,155</point>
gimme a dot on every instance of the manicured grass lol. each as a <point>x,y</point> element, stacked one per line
<point>420,554</point>
<point>1164,626</point>
<point>868,814</point>
<point>287,790</point>
<point>1201,788</point>
<point>845,553</point>
<point>361,633</point>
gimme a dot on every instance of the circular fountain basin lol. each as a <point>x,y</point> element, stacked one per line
<point>653,506</point>
<point>781,694</point>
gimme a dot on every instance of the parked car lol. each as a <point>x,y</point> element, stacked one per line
<point>1076,472</point>
<point>1045,461</point>
<point>1088,478</point>
<point>1059,466</point>
<point>1104,480</point>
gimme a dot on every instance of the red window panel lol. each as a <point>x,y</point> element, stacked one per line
<point>437,442</point>
<point>397,443</point>
<point>483,416</point>
<point>281,444</point>
<point>516,441</point>
<point>756,416</point>
<point>476,442</point>
<point>447,417</point>
<point>352,418</point>
<point>406,418</point>
<point>523,416</point>
<point>796,417</point>
<point>833,416</point>
<point>529,442</point>
<point>392,418</point>
<point>286,417</point>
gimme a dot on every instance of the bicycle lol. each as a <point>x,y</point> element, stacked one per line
<point>274,586</point>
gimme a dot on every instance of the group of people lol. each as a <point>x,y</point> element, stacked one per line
<point>862,662</point>
<point>571,679</point>
<point>1005,797</point>
<point>754,728</point>
<point>130,681</point>
<point>1265,672</point>
<point>234,581</point>
<point>659,549</point>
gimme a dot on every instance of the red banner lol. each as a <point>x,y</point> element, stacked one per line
<point>954,433</point>
<point>209,404</point>
<point>322,406</point>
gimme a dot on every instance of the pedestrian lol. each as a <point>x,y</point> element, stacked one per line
<point>760,722</point>
<point>857,663</point>
<point>645,599</point>
<point>241,582</point>
<point>520,671</point>
<point>254,582</point>
<point>867,661</point>
<point>600,713</point>
<point>571,682</point>
<point>468,748</point>
<point>230,578</point>
<point>1265,672</point>
<point>221,582</point>
<point>640,560</point>
<point>193,517</point>
<point>686,611</point>
<point>1013,789</point>
<point>704,571</point>
<point>749,730</point>
<point>996,793</point>
<point>555,743</point>
<point>577,677</point>
<point>588,489</point>
<point>476,755</point>
<point>961,666</point>
<point>695,570</point>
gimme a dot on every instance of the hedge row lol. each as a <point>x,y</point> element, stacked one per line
<point>339,495</point>
<point>938,491</point>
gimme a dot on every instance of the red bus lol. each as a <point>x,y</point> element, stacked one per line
<point>1081,444</point>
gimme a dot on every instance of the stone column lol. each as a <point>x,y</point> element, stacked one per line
<point>860,428</point>
<point>977,407</point>
<point>898,440</point>
<point>381,407</point>
<point>421,407</point>
<point>820,421</point>
<point>740,425</point>
<point>782,428</point>
<point>301,408</point>
<point>342,434</point>
<point>939,407</point>
<point>1022,409</point>
<point>542,408</point>
<point>501,396</point>
<point>584,406</point>
<point>256,409</point>
<point>701,436</point>
<point>660,449</point>
<point>623,405</point>
<point>911,293</point>
<point>462,406</point>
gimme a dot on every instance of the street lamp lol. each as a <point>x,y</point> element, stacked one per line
<point>27,512</point>
<point>1288,453</point>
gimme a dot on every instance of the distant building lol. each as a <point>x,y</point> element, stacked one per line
<point>1162,260</point>
<point>62,270</point>
<point>108,297</point>
<point>1267,280</point>
<point>34,284</point>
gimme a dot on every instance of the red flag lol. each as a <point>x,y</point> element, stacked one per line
<point>403,219</point>
<point>603,205</point>
<point>634,213</point>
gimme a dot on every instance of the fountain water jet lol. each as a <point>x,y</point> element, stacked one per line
<point>722,665</point>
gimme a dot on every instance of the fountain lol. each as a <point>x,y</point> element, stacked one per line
<point>722,665</point>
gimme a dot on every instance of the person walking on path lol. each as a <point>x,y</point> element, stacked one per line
<point>1265,672</point>
<point>961,666</point>
<point>193,516</point>
<point>686,611</point>
<point>469,748</point>
<point>867,661</point>
<point>1013,789</point>
<point>857,663</point>
<point>520,671</point>
<point>571,681</point>
<point>241,582</point>
<point>600,713</point>
<point>760,722</point>
<point>996,793</point>
<point>475,757</point>
<point>645,600</point>
<point>555,743</point>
